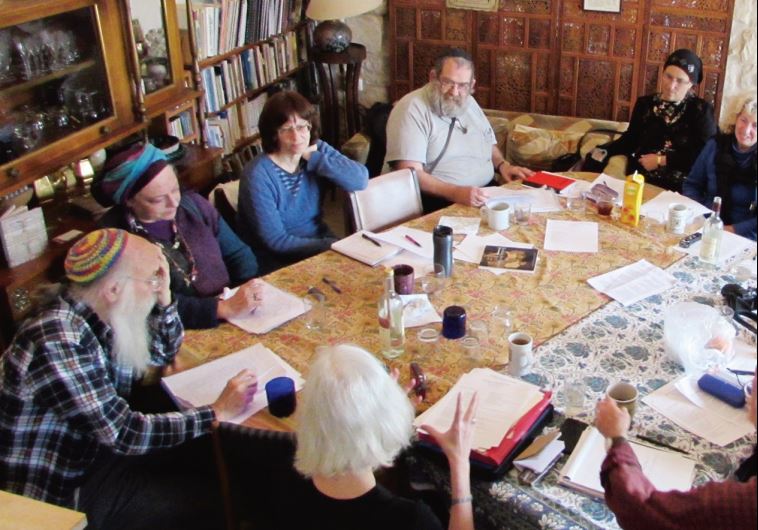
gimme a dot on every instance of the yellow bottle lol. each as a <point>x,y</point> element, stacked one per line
<point>630,211</point>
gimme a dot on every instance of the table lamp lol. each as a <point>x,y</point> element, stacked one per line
<point>332,35</point>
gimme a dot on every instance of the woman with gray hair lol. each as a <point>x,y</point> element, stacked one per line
<point>352,419</point>
<point>727,168</point>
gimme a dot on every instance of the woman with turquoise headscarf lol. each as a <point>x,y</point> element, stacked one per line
<point>203,252</point>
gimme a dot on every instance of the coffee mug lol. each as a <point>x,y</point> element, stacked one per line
<point>403,279</point>
<point>679,216</point>
<point>625,395</point>
<point>280,393</point>
<point>520,346</point>
<point>498,215</point>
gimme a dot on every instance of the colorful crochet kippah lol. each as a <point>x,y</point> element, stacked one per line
<point>94,254</point>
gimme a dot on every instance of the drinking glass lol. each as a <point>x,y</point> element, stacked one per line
<point>434,281</point>
<point>501,327</point>
<point>472,350</point>
<point>522,212</point>
<point>315,316</point>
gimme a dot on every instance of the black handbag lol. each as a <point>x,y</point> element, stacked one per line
<point>574,162</point>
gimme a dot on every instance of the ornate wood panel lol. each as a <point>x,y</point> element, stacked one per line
<point>553,57</point>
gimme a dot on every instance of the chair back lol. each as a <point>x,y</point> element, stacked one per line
<point>224,197</point>
<point>388,200</point>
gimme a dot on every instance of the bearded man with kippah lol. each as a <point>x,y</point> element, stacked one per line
<point>67,433</point>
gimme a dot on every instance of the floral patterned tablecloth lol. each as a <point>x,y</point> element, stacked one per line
<point>614,343</point>
<point>578,331</point>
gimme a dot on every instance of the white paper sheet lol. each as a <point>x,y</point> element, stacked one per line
<point>571,236</point>
<point>744,356</point>
<point>715,421</point>
<point>471,248</point>
<point>658,207</point>
<point>396,236</point>
<point>502,402</point>
<point>357,247</point>
<point>732,246</point>
<point>418,311</point>
<point>542,201</point>
<point>276,308</point>
<point>634,282</point>
<point>421,266</point>
<point>461,225</point>
<point>203,384</point>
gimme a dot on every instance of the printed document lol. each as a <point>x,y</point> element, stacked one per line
<point>702,414</point>
<point>203,384</point>
<point>634,282</point>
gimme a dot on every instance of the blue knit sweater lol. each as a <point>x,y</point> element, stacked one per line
<point>280,213</point>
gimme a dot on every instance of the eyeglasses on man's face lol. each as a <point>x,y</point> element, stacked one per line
<point>449,84</point>
<point>155,282</point>
<point>675,80</point>
<point>300,128</point>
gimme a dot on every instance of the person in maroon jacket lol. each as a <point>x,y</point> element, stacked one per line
<point>636,502</point>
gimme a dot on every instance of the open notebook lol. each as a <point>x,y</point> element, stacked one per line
<point>666,470</point>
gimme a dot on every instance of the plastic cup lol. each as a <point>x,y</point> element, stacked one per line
<point>280,392</point>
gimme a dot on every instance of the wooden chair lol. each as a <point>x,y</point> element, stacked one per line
<point>388,200</point>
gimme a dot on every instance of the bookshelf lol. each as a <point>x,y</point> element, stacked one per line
<point>241,50</point>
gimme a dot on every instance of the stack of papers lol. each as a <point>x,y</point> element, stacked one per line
<point>542,201</point>
<point>666,470</point>
<point>203,384</point>
<point>461,225</point>
<point>732,246</point>
<point>406,238</point>
<point>571,236</point>
<point>502,402</point>
<point>658,207</point>
<point>277,307</point>
<point>361,249</point>
<point>685,404</point>
<point>634,282</point>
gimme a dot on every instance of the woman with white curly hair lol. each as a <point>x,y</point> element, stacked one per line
<point>726,168</point>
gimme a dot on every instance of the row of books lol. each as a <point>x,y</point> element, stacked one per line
<point>251,69</point>
<point>230,127</point>
<point>181,126</point>
<point>227,24</point>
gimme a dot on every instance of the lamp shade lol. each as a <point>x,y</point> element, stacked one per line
<point>332,9</point>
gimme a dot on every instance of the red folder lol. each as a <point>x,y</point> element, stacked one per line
<point>496,455</point>
<point>551,180</point>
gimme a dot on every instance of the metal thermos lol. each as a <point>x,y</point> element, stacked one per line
<point>443,248</point>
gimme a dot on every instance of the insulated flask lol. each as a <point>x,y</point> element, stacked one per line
<point>443,248</point>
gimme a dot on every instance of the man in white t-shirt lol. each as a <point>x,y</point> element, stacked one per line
<point>441,113</point>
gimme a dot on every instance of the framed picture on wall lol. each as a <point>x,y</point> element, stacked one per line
<point>607,6</point>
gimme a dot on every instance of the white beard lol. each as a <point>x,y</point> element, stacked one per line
<point>446,107</point>
<point>128,318</point>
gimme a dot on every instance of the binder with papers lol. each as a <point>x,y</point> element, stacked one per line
<point>511,413</point>
<point>666,470</point>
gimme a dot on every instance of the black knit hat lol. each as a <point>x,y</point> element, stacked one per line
<point>688,61</point>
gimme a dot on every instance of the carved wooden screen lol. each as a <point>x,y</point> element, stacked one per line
<point>551,56</point>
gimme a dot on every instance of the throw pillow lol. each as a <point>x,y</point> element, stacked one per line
<point>537,148</point>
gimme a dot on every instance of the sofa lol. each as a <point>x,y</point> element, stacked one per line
<point>531,140</point>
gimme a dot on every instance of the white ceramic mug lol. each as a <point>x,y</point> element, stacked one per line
<point>679,216</point>
<point>498,215</point>
<point>520,346</point>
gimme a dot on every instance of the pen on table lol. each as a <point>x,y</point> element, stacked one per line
<point>409,238</point>
<point>331,284</point>
<point>660,444</point>
<point>374,241</point>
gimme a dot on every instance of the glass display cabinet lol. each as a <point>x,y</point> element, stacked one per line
<point>63,93</point>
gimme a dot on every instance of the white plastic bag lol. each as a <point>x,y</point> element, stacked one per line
<point>697,337</point>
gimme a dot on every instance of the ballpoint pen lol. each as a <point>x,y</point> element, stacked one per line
<point>409,238</point>
<point>374,241</point>
<point>331,284</point>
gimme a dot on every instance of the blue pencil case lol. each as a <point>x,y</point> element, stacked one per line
<point>723,390</point>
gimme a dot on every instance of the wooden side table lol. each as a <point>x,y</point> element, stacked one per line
<point>339,72</point>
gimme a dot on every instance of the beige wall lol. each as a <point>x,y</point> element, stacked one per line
<point>370,30</point>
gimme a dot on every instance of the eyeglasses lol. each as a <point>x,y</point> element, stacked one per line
<point>679,81</point>
<point>299,128</point>
<point>154,281</point>
<point>448,84</point>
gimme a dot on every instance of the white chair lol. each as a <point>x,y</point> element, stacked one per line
<point>388,200</point>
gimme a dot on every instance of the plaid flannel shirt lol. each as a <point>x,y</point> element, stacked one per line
<point>62,399</point>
